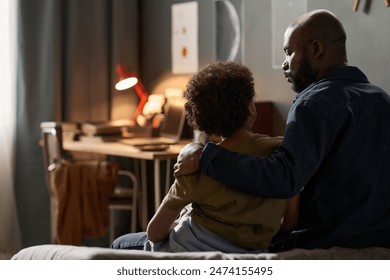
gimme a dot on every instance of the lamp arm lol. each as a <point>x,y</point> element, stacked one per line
<point>143,96</point>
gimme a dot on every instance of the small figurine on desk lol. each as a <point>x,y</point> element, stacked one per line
<point>152,113</point>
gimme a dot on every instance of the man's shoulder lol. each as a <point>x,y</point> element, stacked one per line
<point>333,84</point>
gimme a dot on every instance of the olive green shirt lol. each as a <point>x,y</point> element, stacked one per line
<point>245,220</point>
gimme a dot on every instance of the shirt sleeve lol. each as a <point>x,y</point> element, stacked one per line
<point>309,134</point>
<point>179,195</point>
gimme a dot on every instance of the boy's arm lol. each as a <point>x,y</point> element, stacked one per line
<point>290,218</point>
<point>162,223</point>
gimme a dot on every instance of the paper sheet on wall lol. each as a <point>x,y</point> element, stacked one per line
<point>185,38</point>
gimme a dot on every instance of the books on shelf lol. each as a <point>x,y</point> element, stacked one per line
<point>105,128</point>
<point>70,130</point>
<point>101,138</point>
<point>112,131</point>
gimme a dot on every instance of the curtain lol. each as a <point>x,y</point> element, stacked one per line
<point>67,51</point>
<point>9,227</point>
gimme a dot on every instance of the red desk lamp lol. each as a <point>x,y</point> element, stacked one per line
<point>127,80</point>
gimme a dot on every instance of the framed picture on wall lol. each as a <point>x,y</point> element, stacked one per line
<point>185,38</point>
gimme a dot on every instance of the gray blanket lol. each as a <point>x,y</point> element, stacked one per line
<point>65,252</point>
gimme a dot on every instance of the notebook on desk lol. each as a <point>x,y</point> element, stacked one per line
<point>171,128</point>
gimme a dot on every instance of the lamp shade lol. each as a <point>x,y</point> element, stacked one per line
<point>126,83</point>
<point>127,80</point>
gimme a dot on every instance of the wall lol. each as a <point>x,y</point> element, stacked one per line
<point>368,38</point>
<point>124,49</point>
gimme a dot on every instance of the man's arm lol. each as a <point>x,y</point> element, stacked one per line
<point>310,133</point>
<point>265,176</point>
<point>227,167</point>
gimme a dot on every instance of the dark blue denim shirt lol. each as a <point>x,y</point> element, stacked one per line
<point>336,151</point>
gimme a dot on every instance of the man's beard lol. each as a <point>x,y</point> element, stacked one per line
<point>303,76</point>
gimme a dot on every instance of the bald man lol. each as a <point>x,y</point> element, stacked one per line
<point>336,146</point>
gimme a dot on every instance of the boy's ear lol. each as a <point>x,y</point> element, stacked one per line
<point>252,115</point>
<point>252,109</point>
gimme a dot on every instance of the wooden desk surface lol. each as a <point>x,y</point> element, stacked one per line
<point>123,150</point>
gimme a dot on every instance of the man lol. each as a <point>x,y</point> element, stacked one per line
<point>336,147</point>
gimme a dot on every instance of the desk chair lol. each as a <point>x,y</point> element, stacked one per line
<point>121,198</point>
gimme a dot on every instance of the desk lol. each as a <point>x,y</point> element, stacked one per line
<point>122,150</point>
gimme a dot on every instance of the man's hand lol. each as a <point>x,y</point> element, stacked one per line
<point>188,160</point>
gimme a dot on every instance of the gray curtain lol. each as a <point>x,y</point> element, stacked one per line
<point>67,52</point>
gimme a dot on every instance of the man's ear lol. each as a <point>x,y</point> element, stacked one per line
<point>317,48</point>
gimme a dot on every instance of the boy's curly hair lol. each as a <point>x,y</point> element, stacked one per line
<point>218,98</point>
